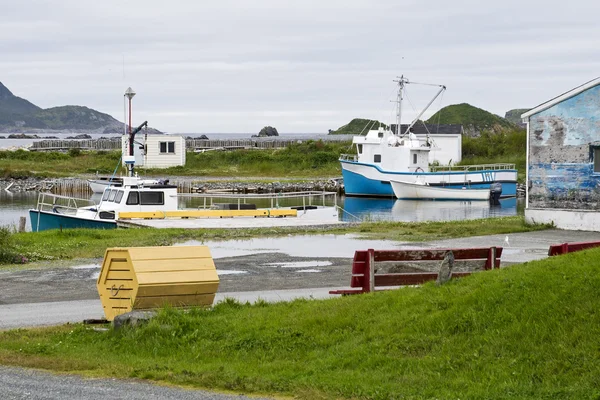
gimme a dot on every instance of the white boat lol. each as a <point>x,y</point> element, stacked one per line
<point>424,191</point>
<point>383,155</point>
<point>98,185</point>
<point>134,201</point>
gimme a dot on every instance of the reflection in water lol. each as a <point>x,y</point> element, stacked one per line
<point>416,211</point>
<point>15,205</point>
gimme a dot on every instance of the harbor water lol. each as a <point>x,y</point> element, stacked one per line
<point>15,205</point>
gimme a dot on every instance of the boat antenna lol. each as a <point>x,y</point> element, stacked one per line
<point>402,81</point>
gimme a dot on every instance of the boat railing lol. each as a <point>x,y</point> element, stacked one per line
<point>62,204</point>
<point>262,200</point>
<point>349,157</point>
<point>468,168</point>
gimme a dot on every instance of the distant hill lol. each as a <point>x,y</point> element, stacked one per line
<point>514,116</point>
<point>474,120</point>
<point>20,115</point>
<point>357,126</point>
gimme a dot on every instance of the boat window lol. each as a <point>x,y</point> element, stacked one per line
<point>414,158</point>
<point>105,195</point>
<point>152,198</point>
<point>119,196</point>
<point>380,134</point>
<point>377,158</point>
<point>359,147</point>
<point>111,196</point>
<point>133,198</point>
<point>167,147</point>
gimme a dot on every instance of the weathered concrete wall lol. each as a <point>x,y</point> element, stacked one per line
<point>561,165</point>
<point>580,220</point>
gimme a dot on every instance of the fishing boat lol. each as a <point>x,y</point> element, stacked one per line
<point>422,191</point>
<point>396,153</point>
<point>135,203</point>
<point>99,184</point>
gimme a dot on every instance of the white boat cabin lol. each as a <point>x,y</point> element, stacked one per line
<point>391,152</point>
<point>134,196</point>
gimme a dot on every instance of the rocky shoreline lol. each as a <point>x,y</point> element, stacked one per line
<point>71,186</point>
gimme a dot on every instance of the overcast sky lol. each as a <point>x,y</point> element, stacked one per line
<point>301,66</point>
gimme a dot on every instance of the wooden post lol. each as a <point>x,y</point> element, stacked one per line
<point>371,270</point>
<point>22,223</point>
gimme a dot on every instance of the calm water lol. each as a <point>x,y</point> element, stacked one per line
<point>15,205</point>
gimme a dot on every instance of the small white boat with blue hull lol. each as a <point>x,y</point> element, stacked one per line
<point>384,155</point>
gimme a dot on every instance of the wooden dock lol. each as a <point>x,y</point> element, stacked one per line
<point>198,145</point>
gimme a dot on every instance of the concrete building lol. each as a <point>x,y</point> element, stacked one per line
<point>563,159</point>
<point>156,151</point>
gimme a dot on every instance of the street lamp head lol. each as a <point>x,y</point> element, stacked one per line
<point>129,93</point>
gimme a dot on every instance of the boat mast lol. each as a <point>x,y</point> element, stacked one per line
<point>401,82</point>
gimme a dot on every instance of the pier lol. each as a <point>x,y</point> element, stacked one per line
<point>191,144</point>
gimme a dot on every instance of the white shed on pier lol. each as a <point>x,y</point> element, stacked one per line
<point>156,151</point>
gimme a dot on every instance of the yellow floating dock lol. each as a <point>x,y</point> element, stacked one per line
<point>264,213</point>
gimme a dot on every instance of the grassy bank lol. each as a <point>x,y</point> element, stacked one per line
<point>509,146</point>
<point>91,243</point>
<point>528,332</point>
<point>307,159</point>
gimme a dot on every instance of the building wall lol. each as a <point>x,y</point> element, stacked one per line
<point>560,157</point>
<point>447,148</point>
<point>151,157</point>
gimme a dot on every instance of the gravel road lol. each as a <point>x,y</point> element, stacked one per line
<point>19,383</point>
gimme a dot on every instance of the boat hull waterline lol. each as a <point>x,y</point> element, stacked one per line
<point>368,180</point>
<point>43,220</point>
<point>416,191</point>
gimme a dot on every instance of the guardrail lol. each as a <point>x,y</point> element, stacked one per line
<point>466,168</point>
<point>273,200</point>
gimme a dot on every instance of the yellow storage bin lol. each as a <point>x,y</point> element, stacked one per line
<point>141,278</point>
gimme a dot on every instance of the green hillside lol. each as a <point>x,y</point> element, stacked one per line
<point>514,116</point>
<point>75,117</point>
<point>474,120</point>
<point>18,114</point>
<point>358,126</point>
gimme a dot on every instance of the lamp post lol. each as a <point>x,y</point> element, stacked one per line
<point>129,93</point>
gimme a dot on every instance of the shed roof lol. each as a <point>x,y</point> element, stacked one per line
<point>422,128</point>
<point>562,97</point>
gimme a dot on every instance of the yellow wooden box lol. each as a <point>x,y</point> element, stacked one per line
<point>141,278</point>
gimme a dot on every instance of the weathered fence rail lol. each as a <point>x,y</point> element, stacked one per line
<point>191,144</point>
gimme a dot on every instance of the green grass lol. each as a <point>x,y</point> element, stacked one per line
<point>307,159</point>
<point>525,332</point>
<point>91,243</point>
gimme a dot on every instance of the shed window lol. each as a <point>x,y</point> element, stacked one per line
<point>133,198</point>
<point>414,158</point>
<point>167,147</point>
<point>152,198</point>
<point>377,158</point>
<point>596,155</point>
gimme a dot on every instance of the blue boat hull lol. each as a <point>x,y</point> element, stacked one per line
<point>42,221</point>
<point>356,184</point>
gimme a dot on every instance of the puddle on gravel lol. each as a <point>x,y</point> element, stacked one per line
<point>86,266</point>
<point>299,264</point>
<point>309,270</point>
<point>230,272</point>
<point>333,246</point>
